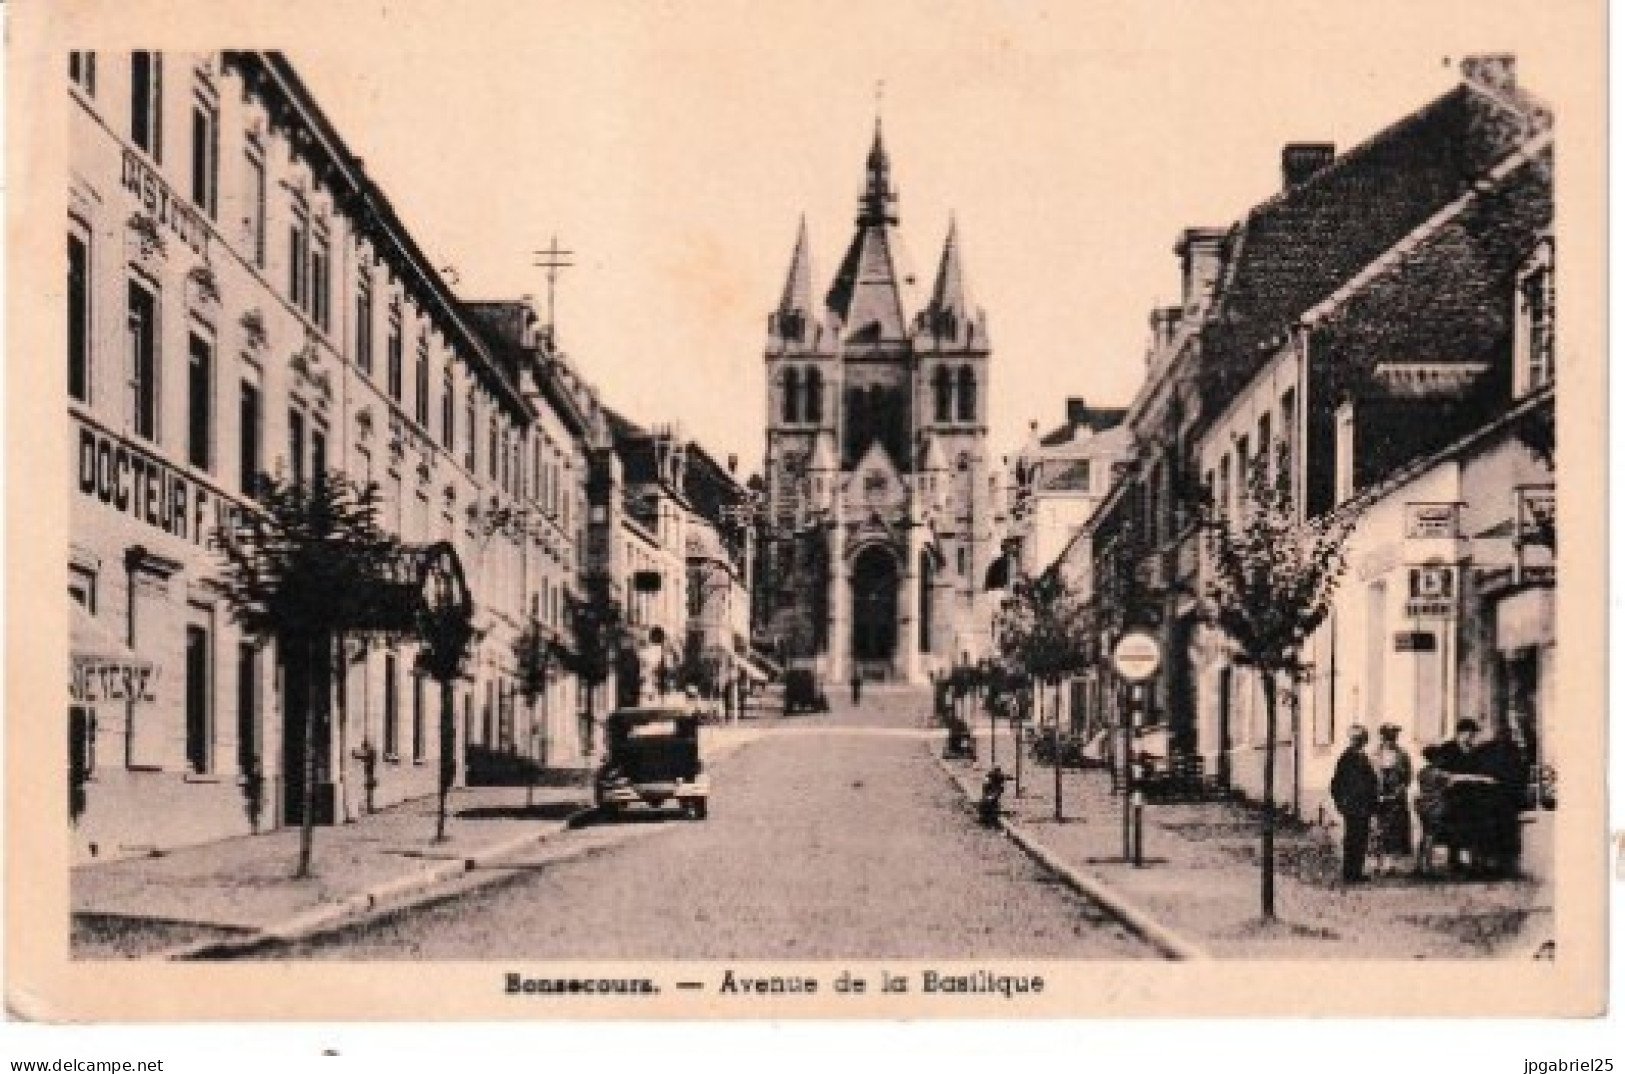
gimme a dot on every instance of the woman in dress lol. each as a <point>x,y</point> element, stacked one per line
<point>1392,831</point>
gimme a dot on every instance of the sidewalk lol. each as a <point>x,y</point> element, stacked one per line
<point>1201,877</point>
<point>236,888</point>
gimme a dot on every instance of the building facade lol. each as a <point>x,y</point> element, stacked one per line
<point>242,300</point>
<point>1378,337</point>
<point>879,526</point>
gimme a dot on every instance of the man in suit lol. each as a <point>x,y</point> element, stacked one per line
<point>1354,792</point>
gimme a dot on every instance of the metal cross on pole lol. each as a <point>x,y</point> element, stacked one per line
<point>553,258</point>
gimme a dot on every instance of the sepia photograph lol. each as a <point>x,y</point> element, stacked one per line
<point>644,512</point>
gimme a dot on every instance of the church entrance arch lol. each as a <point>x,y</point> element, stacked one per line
<point>874,604</point>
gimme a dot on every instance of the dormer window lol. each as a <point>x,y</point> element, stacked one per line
<point>1535,354</point>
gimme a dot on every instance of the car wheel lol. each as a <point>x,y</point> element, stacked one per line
<point>695,809</point>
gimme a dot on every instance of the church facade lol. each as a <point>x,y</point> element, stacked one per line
<point>879,495</point>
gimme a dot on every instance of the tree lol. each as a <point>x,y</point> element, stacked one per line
<point>598,628</point>
<point>445,622</point>
<point>1044,630</point>
<point>1269,585</point>
<point>534,661</point>
<point>308,567</point>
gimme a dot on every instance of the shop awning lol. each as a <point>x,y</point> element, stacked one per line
<point>103,668</point>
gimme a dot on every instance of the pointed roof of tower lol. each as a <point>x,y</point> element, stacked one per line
<point>949,292</point>
<point>797,297</point>
<point>867,294</point>
<point>952,313</point>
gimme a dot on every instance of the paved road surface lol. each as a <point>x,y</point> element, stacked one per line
<point>831,836</point>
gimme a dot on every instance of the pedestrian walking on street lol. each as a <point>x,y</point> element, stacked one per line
<point>1354,793</point>
<point>857,687</point>
<point>1393,817</point>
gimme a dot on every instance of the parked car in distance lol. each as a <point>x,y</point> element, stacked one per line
<point>803,692</point>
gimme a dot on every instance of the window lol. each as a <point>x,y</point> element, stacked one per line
<point>419,733</point>
<point>146,102</point>
<point>199,402</point>
<point>942,388</point>
<point>814,411</point>
<point>143,344</point>
<point>491,457</point>
<point>448,411</point>
<point>205,155</point>
<point>82,69</point>
<point>321,281</point>
<point>393,355</point>
<point>473,433</point>
<point>1224,485</point>
<point>420,385</point>
<point>1343,453</point>
<point>248,708</point>
<point>363,322</point>
<point>1376,651</point>
<point>392,720</point>
<point>1244,468</point>
<point>254,202</point>
<point>299,254</point>
<point>1536,337</point>
<point>296,446</point>
<point>1264,445</point>
<point>78,317</point>
<point>1289,432</point>
<point>199,744</point>
<point>248,439</point>
<point>318,452</point>
<point>962,561</point>
<point>792,396</point>
<point>967,394</point>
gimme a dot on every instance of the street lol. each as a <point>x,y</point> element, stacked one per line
<point>829,836</point>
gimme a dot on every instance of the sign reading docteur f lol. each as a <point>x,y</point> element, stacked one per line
<point>1137,657</point>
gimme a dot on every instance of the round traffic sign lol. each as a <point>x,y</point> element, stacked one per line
<point>1137,657</point>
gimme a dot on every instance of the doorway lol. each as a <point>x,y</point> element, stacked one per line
<point>874,605</point>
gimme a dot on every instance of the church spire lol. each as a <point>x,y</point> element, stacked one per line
<point>797,297</point>
<point>877,206</point>
<point>951,314</point>
<point>948,295</point>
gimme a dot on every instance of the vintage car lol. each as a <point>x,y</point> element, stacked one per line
<point>652,757</point>
<point>803,692</point>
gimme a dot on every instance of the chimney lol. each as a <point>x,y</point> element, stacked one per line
<point>733,464</point>
<point>1497,71</point>
<point>1077,411</point>
<point>1200,251</point>
<point>1300,160</point>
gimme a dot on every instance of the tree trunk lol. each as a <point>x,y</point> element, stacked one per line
<point>448,754</point>
<point>1266,855</point>
<point>1059,812</point>
<point>307,818</point>
<point>341,692</point>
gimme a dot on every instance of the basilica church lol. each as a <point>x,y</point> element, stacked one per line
<point>878,484</point>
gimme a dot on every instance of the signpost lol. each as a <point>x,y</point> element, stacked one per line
<point>1136,658</point>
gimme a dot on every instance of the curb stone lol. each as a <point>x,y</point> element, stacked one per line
<point>358,906</point>
<point>1170,943</point>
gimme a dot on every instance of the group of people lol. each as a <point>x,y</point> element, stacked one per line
<point>1469,796</point>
